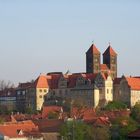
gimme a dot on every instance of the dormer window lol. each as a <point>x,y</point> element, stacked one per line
<point>19,132</point>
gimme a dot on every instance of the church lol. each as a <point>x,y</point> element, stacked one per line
<point>91,88</point>
<point>93,61</point>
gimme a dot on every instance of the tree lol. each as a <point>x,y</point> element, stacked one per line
<point>113,105</point>
<point>122,126</point>
<point>75,130</point>
<point>53,115</point>
<point>5,85</point>
<point>78,130</point>
<point>135,112</point>
<point>100,133</point>
<point>1,120</point>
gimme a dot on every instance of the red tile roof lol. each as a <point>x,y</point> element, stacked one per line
<point>41,82</point>
<point>54,81</point>
<point>117,81</point>
<point>11,92</point>
<point>89,76</point>
<point>134,83</point>
<point>25,85</point>
<point>11,129</point>
<point>83,113</point>
<point>93,50</point>
<point>112,115</point>
<point>99,121</point>
<point>110,51</point>
<point>104,75</point>
<point>46,125</point>
<point>48,109</point>
<point>72,80</point>
<point>103,67</point>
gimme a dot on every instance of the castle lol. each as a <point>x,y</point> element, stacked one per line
<point>91,88</point>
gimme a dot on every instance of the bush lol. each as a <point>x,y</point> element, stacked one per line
<point>114,105</point>
<point>53,115</point>
<point>135,112</point>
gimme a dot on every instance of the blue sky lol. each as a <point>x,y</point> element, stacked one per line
<point>40,36</point>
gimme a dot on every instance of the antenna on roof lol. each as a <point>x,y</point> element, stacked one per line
<point>109,43</point>
<point>92,41</point>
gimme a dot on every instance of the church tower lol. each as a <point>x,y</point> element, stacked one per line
<point>110,59</point>
<point>93,60</point>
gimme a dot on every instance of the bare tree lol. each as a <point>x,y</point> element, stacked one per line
<point>5,85</point>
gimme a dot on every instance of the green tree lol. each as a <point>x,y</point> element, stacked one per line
<point>53,115</point>
<point>113,105</point>
<point>75,130</point>
<point>30,110</point>
<point>135,112</point>
<point>122,126</point>
<point>1,120</point>
<point>100,133</point>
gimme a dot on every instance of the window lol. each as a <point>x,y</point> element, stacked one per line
<point>66,92</point>
<point>40,90</point>
<point>23,92</point>
<point>40,96</point>
<point>107,90</point>
<point>60,92</point>
<point>96,60</point>
<point>45,90</point>
<point>18,93</point>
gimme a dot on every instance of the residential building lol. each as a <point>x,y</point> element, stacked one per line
<point>25,95</point>
<point>90,89</point>
<point>31,94</point>
<point>130,90</point>
<point>25,130</point>
<point>127,90</point>
<point>8,99</point>
<point>41,89</point>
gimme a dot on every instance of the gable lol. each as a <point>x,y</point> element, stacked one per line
<point>62,83</point>
<point>99,80</point>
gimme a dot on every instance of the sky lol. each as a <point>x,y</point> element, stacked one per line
<point>41,36</point>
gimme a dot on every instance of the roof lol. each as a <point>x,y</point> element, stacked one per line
<point>134,83</point>
<point>48,109</point>
<point>10,92</point>
<point>99,121</point>
<point>134,134</point>
<point>93,49</point>
<point>104,75</point>
<point>72,80</point>
<point>104,67</point>
<point>89,76</point>
<point>83,113</point>
<point>112,115</point>
<point>41,82</point>
<point>25,85</point>
<point>54,80</point>
<point>117,81</point>
<point>110,51</point>
<point>12,129</point>
<point>46,125</point>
